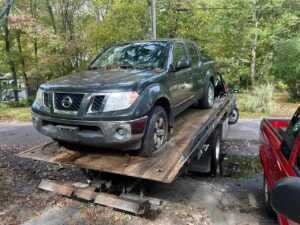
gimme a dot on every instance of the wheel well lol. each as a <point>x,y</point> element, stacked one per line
<point>164,102</point>
<point>212,80</point>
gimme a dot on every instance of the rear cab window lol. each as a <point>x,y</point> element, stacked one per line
<point>193,53</point>
<point>290,136</point>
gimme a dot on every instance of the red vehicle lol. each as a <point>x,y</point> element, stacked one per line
<point>280,154</point>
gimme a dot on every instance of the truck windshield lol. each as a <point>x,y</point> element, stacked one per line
<point>143,55</point>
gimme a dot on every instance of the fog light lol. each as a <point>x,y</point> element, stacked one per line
<point>120,133</point>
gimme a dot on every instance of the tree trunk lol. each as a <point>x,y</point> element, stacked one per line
<point>33,6</point>
<point>49,7</point>
<point>35,44</point>
<point>254,46</point>
<point>25,77</point>
<point>7,49</point>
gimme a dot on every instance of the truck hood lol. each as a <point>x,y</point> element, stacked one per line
<point>95,79</point>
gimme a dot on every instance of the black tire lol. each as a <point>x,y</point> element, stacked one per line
<point>209,97</point>
<point>233,118</point>
<point>155,138</point>
<point>216,168</point>
<point>267,196</point>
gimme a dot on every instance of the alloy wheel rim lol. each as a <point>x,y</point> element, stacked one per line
<point>233,115</point>
<point>210,95</point>
<point>159,132</point>
<point>217,150</point>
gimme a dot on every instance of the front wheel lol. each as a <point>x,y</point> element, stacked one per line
<point>156,132</point>
<point>209,97</point>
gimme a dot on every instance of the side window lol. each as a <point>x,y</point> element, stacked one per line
<point>193,54</point>
<point>290,136</point>
<point>178,53</point>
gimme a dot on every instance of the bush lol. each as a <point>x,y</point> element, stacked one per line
<point>30,100</point>
<point>260,100</point>
<point>22,103</point>
<point>3,106</point>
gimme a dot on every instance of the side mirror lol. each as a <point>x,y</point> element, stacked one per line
<point>182,64</point>
<point>285,198</point>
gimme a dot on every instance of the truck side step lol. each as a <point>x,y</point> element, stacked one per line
<point>136,206</point>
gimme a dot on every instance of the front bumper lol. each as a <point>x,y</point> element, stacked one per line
<point>93,133</point>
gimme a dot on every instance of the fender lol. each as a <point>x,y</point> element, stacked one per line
<point>149,96</point>
<point>208,75</point>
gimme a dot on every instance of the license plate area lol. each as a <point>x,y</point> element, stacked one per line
<point>67,133</point>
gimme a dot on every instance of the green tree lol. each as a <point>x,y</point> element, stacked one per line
<point>286,65</point>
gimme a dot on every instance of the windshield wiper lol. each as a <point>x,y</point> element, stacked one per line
<point>118,67</point>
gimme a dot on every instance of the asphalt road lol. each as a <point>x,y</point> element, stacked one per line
<point>20,134</point>
<point>190,199</point>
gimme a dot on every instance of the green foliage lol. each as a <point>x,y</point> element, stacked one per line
<point>260,100</point>
<point>58,37</point>
<point>3,106</point>
<point>22,103</point>
<point>286,65</point>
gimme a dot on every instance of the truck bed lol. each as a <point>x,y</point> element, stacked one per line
<point>191,130</point>
<point>278,126</point>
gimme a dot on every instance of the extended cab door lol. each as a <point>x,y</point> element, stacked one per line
<point>181,82</point>
<point>197,74</point>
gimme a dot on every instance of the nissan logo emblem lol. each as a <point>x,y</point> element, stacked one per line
<point>67,102</point>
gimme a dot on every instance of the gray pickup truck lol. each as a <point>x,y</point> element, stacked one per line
<point>128,96</point>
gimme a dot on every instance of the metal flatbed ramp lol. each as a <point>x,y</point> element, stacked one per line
<point>192,128</point>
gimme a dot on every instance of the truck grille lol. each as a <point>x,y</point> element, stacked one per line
<point>97,103</point>
<point>67,102</point>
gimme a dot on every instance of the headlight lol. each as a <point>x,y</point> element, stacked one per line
<point>120,100</point>
<point>39,97</point>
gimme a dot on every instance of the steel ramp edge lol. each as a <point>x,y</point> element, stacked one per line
<point>136,206</point>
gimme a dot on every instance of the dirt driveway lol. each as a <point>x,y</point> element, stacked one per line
<point>192,199</point>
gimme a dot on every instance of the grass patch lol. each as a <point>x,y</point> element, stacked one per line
<point>286,107</point>
<point>15,114</point>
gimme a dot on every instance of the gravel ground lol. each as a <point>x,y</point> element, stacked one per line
<point>191,199</point>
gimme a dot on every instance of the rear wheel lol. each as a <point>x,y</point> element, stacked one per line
<point>209,97</point>
<point>216,168</point>
<point>156,132</point>
<point>233,118</point>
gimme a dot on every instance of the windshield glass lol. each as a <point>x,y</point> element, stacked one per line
<point>144,55</point>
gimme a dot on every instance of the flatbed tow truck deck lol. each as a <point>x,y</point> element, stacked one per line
<point>192,129</point>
